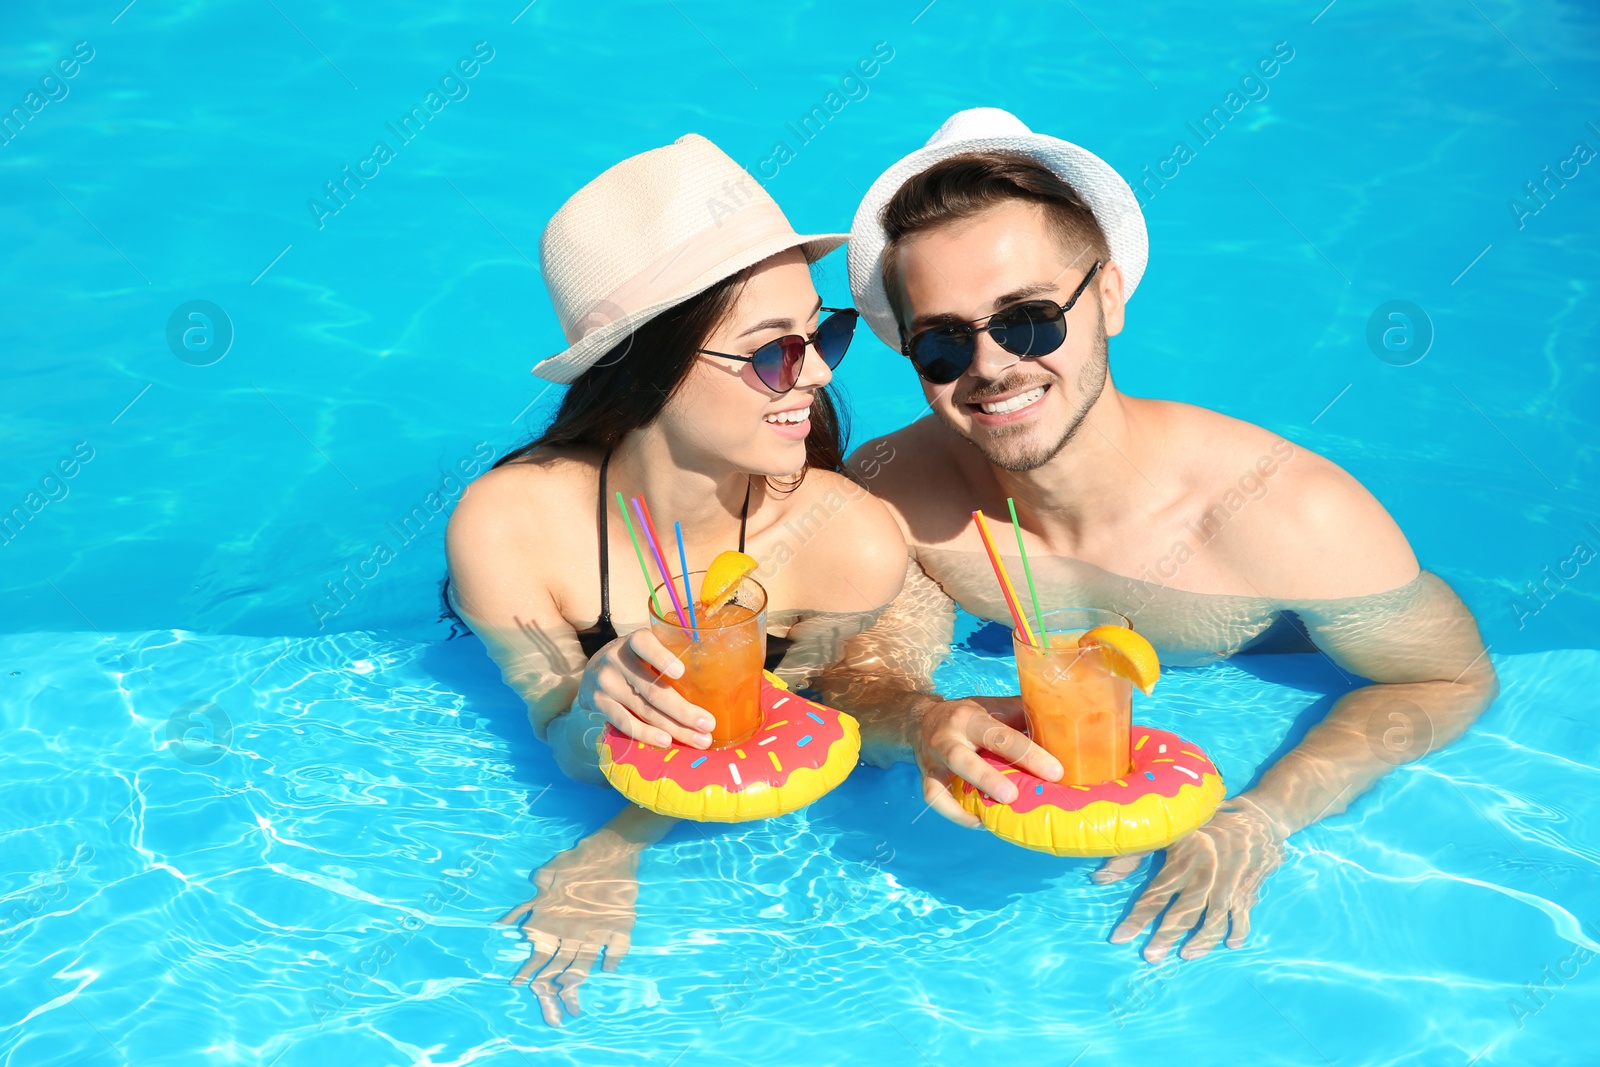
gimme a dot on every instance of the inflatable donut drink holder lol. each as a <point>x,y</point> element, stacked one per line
<point>1172,790</point>
<point>802,751</point>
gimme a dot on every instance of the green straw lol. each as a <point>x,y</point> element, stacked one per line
<point>1033,590</point>
<point>649,583</point>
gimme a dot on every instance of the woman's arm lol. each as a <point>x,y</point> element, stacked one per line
<point>583,905</point>
<point>501,585</point>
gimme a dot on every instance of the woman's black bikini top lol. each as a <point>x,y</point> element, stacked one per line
<point>602,633</point>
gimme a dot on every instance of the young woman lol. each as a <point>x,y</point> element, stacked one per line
<point>699,359</point>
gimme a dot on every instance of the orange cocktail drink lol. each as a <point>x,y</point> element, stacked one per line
<point>722,669</point>
<point>1077,709</point>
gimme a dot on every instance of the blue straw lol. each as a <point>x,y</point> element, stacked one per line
<point>694,626</point>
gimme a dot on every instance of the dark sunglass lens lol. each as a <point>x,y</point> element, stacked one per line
<point>1034,328</point>
<point>942,353</point>
<point>778,362</point>
<point>833,336</point>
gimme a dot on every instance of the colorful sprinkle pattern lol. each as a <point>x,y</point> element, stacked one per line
<point>1172,789</point>
<point>802,751</point>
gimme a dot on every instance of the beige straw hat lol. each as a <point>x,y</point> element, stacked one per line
<point>990,129</point>
<point>650,233</point>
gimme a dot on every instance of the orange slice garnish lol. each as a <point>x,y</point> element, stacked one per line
<point>1127,654</point>
<point>723,577</point>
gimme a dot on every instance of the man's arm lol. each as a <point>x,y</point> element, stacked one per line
<point>1335,544</point>
<point>1321,554</point>
<point>1432,678</point>
<point>886,680</point>
<point>885,675</point>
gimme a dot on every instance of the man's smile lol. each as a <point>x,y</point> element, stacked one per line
<point>1007,407</point>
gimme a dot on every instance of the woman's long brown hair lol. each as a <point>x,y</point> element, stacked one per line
<point>626,389</point>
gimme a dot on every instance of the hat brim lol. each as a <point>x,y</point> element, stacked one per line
<point>568,366</point>
<point>1101,187</point>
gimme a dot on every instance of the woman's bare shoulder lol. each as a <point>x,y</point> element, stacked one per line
<point>523,496</point>
<point>845,538</point>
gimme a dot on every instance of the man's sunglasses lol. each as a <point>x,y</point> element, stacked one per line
<point>1030,329</point>
<point>777,363</point>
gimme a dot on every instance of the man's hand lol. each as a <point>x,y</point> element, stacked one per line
<point>1216,871</point>
<point>947,742</point>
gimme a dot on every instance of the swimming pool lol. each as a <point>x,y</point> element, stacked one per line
<point>246,820</point>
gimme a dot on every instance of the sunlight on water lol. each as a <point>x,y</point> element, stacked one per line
<point>254,809</point>
<point>377,801</point>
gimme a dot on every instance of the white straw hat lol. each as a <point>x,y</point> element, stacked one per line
<point>990,129</point>
<point>650,233</point>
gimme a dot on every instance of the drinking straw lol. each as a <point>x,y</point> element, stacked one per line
<point>649,583</point>
<point>1033,590</point>
<point>688,596</point>
<point>661,561</point>
<point>1005,579</point>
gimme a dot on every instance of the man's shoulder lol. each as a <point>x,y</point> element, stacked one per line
<point>1293,522</point>
<point>908,458</point>
<point>915,470</point>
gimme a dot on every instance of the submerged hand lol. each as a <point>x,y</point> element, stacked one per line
<point>626,683</point>
<point>1217,871</point>
<point>585,903</point>
<point>947,742</point>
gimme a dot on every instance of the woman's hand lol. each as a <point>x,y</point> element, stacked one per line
<point>585,903</point>
<point>948,739</point>
<point>626,683</point>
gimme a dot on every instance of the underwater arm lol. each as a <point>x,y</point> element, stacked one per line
<point>884,675</point>
<point>1431,678</point>
<point>1334,557</point>
<point>885,679</point>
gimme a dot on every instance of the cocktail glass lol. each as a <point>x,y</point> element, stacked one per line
<point>1077,709</point>
<point>721,670</point>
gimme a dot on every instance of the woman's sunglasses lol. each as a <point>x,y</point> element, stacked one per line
<point>777,363</point>
<point>1030,329</point>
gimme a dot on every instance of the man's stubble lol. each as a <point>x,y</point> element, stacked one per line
<point>1013,448</point>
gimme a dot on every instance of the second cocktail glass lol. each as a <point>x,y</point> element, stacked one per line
<point>1077,709</point>
<point>721,670</point>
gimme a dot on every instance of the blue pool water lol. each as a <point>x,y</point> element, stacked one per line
<point>318,887</point>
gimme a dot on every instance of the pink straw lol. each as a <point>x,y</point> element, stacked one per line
<point>661,562</point>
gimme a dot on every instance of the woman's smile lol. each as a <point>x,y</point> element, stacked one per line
<point>793,422</point>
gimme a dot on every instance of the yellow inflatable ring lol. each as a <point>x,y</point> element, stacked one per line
<point>802,751</point>
<point>1172,790</point>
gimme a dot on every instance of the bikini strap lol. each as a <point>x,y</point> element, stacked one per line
<point>605,549</point>
<point>744,513</point>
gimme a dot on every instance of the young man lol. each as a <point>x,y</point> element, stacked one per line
<point>1000,261</point>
